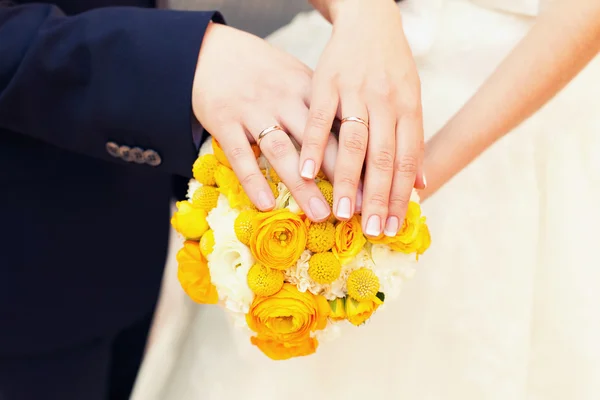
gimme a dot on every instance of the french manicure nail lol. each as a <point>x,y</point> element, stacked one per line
<point>343,208</point>
<point>391,226</point>
<point>266,200</point>
<point>373,226</point>
<point>308,169</point>
<point>319,208</point>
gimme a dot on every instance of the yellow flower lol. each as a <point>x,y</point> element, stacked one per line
<point>423,240</point>
<point>219,153</point>
<point>189,221</point>
<point>357,312</point>
<point>407,240</point>
<point>204,169</point>
<point>278,350</point>
<point>207,243</point>
<point>327,189</point>
<point>264,281</point>
<point>222,158</point>
<point>278,239</point>
<point>338,309</point>
<point>244,225</point>
<point>271,175</point>
<point>231,187</point>
<point>205,197</point>
<point>194,276</point>
<point>284,321</point>
<point>362,284</point>
<point>349,240</point>
<point>321,236</point>
<point>324,268</point>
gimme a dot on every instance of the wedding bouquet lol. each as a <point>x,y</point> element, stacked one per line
<point>290,281</point>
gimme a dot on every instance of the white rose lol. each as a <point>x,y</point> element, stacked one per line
<point>392,268</point>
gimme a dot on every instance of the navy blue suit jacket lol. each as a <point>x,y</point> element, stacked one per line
<point>83,234</point>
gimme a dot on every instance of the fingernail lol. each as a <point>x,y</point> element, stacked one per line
<point>373,226</point>
<point>319,208</point>
<point>265,200</point>
<point>308,169</point>
<point>391,226</point>
<point>343,208</point>
<point>424,178</point>
<point>359,199</point>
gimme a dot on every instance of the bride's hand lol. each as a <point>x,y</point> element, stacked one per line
<point>243,86</point>
<point>367,71</point>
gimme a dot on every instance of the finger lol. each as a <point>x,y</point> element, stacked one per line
<point>379,168</point>
<point>293,118</point>
<point>238,151</point>
<point>409,145</point>
<point>421,180</point>
<point>353,140</point>
<point>279,150</point>
<point>322,112</point>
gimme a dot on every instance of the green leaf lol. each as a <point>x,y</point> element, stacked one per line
<point>381,296</point>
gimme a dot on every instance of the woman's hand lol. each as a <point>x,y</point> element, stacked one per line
<point>367,72</point>
<point>243,86</point>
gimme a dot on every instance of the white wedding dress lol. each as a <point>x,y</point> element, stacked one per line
<point>506,303</point>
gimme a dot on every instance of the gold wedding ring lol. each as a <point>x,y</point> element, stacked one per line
<point>265,132</point>
<point>355,119</point>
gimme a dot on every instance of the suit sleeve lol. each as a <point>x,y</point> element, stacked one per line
<point>108,77</point>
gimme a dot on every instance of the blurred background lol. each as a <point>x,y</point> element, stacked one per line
<point>260,17</point>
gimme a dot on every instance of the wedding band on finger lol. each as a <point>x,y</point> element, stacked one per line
<point>354,119</point>
<point>268,130</point>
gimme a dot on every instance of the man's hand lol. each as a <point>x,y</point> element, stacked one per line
<point>243,86</point>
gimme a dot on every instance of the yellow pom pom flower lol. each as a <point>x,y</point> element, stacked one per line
<point>244,226</point>
<point>189,220</point>
<point>264,281</point>
<point>204,169</point>
<point>362,284</point>
<point>205,197</point>
<point>273,176</point>
<point>321,237</point>
<point>207,243</point>
<point>324,268</point>
<point>327,189</point>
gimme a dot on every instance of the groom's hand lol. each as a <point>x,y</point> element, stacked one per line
<point>243,86</point>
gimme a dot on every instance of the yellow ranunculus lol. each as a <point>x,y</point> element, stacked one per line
<point>349,240</point>
<point>194,275</point>
<point>189,221</point>
<point>278,239</point>
<point>277,350</point>
<point>423,240</point>
<point>338,309</point>
<point>357,312</point>
<point>405,240</point>
<point>287,319</point>
<point>231,187</point>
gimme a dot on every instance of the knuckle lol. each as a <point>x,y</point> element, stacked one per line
<point>398,202</point>
<point>410,102</point>
<point>378,201</point>
<point>251,179</point>
<point>354,142</point>
<point>279,148</point>
<point>384,161</point>
<point>407,166</point>
<point>347,180</point>
<point>236,154</point>
<point>319,118</point>
<point>299,186</point>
